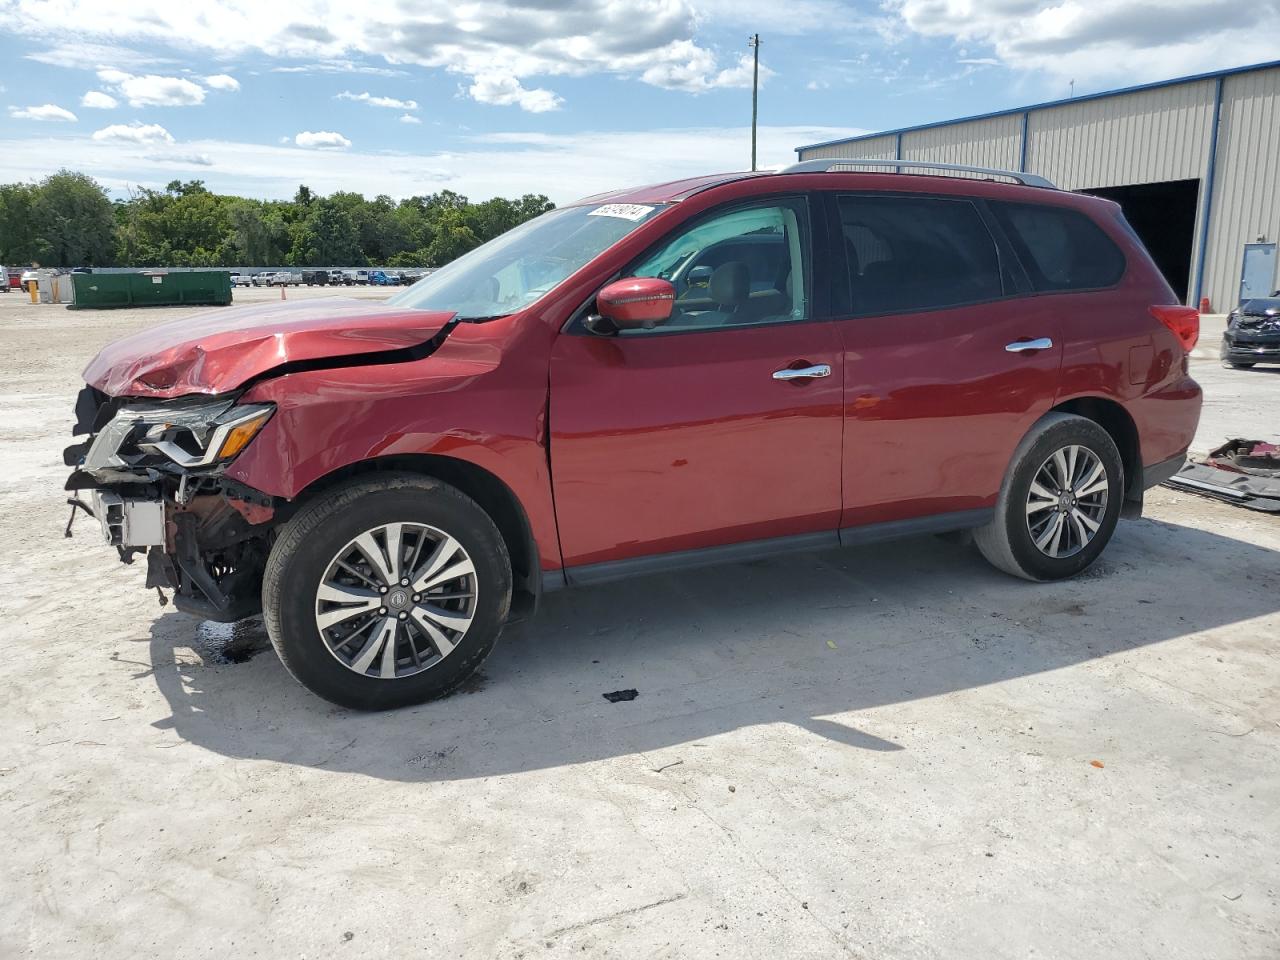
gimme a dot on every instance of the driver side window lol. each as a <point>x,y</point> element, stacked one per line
<point>743,267</point>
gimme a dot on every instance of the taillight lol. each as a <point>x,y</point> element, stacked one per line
<point>1183,321</point>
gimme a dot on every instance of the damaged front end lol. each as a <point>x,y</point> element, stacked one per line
<point>154,475</point>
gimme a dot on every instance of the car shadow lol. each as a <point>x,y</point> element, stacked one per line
<point>788,640</point>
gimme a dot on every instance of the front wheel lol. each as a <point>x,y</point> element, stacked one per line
<point>1060,502</point>
<point>387,591</point>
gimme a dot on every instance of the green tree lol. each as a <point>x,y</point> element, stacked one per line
<point>72,221</point>
<point>17,233</point>
<point>67,220</point>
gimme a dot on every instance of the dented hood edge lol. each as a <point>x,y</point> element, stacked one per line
<point>219,351</point>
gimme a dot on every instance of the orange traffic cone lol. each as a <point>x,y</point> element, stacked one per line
<point>1204,305</point>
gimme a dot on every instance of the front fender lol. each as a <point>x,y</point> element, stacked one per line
<point>480,398</point>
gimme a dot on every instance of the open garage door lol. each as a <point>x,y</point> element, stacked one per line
<point>1164,216</point>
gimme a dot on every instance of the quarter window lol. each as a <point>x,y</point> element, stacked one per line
<point>1060,249</point>
<point>746,266</point>
<point>916,253</point>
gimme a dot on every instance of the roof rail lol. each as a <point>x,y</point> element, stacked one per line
<point>827,163</point>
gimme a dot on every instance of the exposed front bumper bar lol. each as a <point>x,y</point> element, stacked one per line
<point>1262,350</point>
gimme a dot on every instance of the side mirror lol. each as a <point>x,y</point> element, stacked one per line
<point>637,302</point>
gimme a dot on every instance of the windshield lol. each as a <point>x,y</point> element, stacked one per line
<point>513,270</point>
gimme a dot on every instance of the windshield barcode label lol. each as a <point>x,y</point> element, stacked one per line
<point>626,211</point>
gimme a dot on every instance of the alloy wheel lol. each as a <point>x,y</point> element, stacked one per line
<point>396,600</point>
<point>1067,501</point>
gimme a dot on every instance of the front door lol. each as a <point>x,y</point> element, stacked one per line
<point>944,370</point>
<point>719,427</point>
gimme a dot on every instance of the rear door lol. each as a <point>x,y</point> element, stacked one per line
<point>719,427</point>
<point>947,363</point>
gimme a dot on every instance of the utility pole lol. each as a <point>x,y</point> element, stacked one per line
<point>754,43</point>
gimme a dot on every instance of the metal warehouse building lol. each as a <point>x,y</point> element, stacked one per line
<point>1194,162</point>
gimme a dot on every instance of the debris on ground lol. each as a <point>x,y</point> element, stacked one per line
<point>618,696</point>
<point>1243,472</point>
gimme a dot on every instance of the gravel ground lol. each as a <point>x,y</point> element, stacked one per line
<point>893,752</point>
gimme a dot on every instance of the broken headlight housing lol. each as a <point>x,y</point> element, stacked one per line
<point>191,435</point>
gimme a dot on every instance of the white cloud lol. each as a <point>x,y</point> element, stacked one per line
<point>133,133</point>
<point>373,101</point>
<point>183,159</point>
<point>98,100</point>
<point>86,55</point>
<point>500,164</point>
<point>222,81</point>
<point>152,90</point>
<point>340,66</point>
<point>527,40</point>
<point>1098,43</point>
<point>47,111</point>
<point>409,118</point>
<point>322,140</point>
<point>504,89</point>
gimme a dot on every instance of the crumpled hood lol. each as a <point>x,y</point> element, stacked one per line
<point>219,350</point>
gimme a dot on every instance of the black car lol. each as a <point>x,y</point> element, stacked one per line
<point>1253,333</point>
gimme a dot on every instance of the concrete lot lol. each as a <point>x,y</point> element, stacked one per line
<point>886,753</point>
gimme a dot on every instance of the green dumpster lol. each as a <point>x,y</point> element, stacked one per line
<point>100,291</point>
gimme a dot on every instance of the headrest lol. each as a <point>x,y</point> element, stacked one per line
<point>731,283</point>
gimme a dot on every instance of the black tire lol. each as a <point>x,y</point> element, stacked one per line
<point>1239,366</point>
<point>1007,543</point>
<point>311,539</point>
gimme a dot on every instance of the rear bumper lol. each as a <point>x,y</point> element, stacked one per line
<point>1158,473</point>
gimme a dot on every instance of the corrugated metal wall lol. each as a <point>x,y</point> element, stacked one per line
<point>872,148</point>
<point>1145,137</point>
<point>995,142</point>
<point>1246,198</point>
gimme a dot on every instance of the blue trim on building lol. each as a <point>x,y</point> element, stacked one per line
<point>897,155</point>
<point>1022,149</point>
<point>1206,208</point>
<point>1194,78</point>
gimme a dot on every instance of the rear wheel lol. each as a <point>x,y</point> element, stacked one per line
<point>1238,366</point>
<point>386,592</point>
<point>1060,501</point>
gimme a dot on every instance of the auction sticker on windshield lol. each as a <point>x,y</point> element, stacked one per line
<point>626,211</point>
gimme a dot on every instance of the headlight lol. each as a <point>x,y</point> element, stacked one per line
<point>220,439</point>
<point>192,434</point>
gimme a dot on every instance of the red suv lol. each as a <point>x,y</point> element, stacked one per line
<point>709,370</point>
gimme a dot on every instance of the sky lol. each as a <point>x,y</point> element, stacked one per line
<point>561,97</point>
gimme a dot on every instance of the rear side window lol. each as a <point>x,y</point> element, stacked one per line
<point>1061,249</point>
<point>916,253</point>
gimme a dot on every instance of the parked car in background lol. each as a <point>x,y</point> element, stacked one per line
<point>241,280</point>
<point>286,278</point>
<point>1253,333</point>
<point>315,278</point>
<point>29,277</point>
<point>358,277</point>
<point>263,279</point>
<point>871,356</point>
<point>4,279</point>
<point>382,278</point>
<point>338,279</point>
<point>12,280</point>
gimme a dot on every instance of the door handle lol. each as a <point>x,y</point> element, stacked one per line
<point>1023,346</point>
<point>814,372</point>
